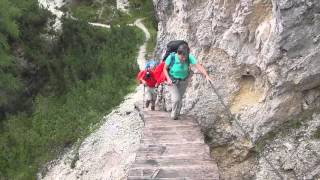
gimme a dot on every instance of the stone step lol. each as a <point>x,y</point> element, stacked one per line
<point>191,172</point>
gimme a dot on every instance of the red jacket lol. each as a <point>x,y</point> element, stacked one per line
<point>159,74</point>
<point>151,80</point>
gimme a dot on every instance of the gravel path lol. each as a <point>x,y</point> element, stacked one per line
<point>143,49</point>
<point>108,152</point>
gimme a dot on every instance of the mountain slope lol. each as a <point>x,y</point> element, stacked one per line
<point>108,152</point>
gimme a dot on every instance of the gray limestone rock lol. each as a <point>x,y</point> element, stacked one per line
<point>264,57</point>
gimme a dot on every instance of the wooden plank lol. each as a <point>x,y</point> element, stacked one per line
<point>172,149</point>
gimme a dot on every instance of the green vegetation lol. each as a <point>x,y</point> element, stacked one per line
<point>100,11</point>
<point>9,83</point>
<point>86,12</point>
<point>21,26</point>
<point>106,12</point>
<point>54,92</point>
<point>145,9</point>
<point>153,36</point>
<point>262,143</point>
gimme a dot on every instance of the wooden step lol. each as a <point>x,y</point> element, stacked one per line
<point>158,124</point>
<point>172,162</point>
<point>191,172</point>
<point>190,148</point>
<point>172,150</point>
<point>172,140</point>
<point>169,128</point>
<point>200,156</point>
<point>174,137</point>
<point>181,131</point>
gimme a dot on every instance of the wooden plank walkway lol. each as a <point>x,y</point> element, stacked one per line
<point>172,150</point>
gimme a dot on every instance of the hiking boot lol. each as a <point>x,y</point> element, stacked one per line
<point>175,118</point>
<point>147,103</point>
<point>152,108</point>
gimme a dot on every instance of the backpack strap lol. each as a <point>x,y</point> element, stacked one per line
<point>172,59</point>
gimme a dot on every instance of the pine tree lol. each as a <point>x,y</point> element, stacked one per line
<point>9,82</point>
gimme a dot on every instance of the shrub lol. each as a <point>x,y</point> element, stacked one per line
<point>90,72</point>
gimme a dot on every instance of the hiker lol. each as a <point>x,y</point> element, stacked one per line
<point>146,77</point>
<point>176,70</point>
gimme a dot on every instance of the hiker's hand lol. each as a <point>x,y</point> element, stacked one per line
<point>209,80</point>
<point>144,82</point>
<point>169,82</point>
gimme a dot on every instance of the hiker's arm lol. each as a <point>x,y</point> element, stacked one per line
<point>203,71</point>
<point>143,81</point>
<point>166,73</point>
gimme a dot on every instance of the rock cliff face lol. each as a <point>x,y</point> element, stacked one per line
<point>264,56</point>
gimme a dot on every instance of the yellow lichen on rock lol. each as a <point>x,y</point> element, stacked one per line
<point>248,95</point>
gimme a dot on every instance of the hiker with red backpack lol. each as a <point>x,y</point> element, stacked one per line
<point>177,70</point>
<point>147,78</point>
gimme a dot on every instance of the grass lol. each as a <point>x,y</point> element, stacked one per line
<point>84,12</point>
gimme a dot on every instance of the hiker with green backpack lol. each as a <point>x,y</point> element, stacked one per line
<point>177,71</point>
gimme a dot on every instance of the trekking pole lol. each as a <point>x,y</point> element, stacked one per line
<point>144,90</point>
<point>163,99</point>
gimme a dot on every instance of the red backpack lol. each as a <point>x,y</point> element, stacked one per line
<point>151,80</point>
<point>159,74</point>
